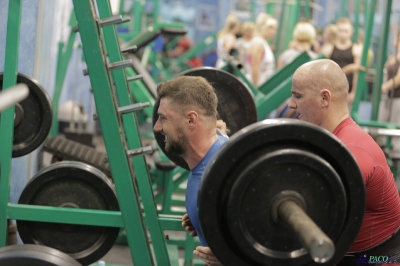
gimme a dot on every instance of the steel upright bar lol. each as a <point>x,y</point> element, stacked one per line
<point>361,84</point>
<point>270,8</point>
<point>279,34</point>
<point>133,139</point>
<point>7,116</point>
<point>381,59</point>
<point>111,123</point>
<point>356,20</point>
<point>137,17</point>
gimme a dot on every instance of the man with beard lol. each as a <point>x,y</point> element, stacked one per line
<point>187,117</point>
<point>319,96</point>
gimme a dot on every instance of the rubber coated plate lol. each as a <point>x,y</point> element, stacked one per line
<point>236,106</point>
<point>23,255</point>
<point>70,185</point>
<point>236,191</point>
<point>33,117</point>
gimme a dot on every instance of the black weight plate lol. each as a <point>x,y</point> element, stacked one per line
<point>70,185</point>
<point>236,106</point>
<point>23,255</point>
<point>230,162</point>
<point>34,117</point>
<point>265,175</point>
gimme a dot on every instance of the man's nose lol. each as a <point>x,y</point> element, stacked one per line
<point>291,103</point>
<point>157,126</point>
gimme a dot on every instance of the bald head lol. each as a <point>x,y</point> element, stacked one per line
<point>324,74</point>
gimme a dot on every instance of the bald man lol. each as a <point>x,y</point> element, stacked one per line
<point>319,96</point>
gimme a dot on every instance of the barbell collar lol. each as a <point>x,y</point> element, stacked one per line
<point>318,244</point>
<point>113,20</point>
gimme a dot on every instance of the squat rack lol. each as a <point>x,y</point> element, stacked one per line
<point>119,126</point>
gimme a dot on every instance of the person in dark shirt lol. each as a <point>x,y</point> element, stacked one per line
<point>319,96</point>
<point>187,116</point>
<point>345,53</point>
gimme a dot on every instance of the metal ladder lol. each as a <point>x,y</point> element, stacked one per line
<point>115,112</point>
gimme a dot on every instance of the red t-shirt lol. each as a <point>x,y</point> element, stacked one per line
<point>382,214</point>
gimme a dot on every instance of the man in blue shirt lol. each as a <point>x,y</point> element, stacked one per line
<point>187,116</point>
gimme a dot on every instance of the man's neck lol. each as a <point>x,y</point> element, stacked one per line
<point>198,148</point>
<point>331,124</point>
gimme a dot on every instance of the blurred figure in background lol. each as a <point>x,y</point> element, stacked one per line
<point>303,38</point>
<point>184,45</point>
<point>226,39</point>
<point>243,43</point>
<point>260,62</point>
<point>329,35</point>
<point>345,53</point>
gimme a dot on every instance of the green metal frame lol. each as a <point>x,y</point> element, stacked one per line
<point>120,134</point>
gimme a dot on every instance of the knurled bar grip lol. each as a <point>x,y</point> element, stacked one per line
<point>317,243</point>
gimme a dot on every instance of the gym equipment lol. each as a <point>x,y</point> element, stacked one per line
<point>13,96</point>
<point>71,150</point>
<point>70,185</point>
<point>235,104</point>
<point>32,119</point>
<point>272,188</point>
<point>22,255</point>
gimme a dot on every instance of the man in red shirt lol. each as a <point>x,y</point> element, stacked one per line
<point>319,96</point>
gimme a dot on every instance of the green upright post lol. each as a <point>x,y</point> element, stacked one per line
<point>63,59</point>
<point>253,9</point>
<point>361,84</point>
<point>133,140</point>
<point>156,11</point>
<point>121,7</point>
<point>7,116</point>
<point>270,8</point>
<point>111,124</point>
<point>278,40</point>
<point>381,58</point>
<point>293,18</point>
<point>356,21</point>
<point>307,10</point>
<point>343,8</point>
<point>137,17</point>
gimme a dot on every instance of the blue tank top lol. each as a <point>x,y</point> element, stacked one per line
<point>193,184</point>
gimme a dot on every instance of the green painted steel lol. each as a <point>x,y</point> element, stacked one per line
<point>279,37</point>
<point>381,59</point>
<point>133,142</point>
<point>270,9</point>
<point>7,116</point>
<point>266,104</point>
<point>356,20</point>
<point>63,59</point>
<point>283,73</point>
<point>361,84</point>
<point>343,8</point>
<point>137,16</point>
<point>111,124</point>
<point>307,9</point>
<point>64,215</point>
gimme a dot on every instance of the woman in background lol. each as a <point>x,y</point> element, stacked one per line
<point>226,39</point>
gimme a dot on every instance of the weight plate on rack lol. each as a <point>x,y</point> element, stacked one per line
<point>236,106</point>
<point>23,255</point>
<point>255,167</point>
<point>70,185</point>
<point>32,119</point>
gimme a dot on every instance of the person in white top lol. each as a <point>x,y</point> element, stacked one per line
<point>226,39</point>
<point>260,62</point>
<point>243,43</point>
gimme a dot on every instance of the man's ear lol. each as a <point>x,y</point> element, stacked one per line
<point>193,118</point>
<point>325,98</point>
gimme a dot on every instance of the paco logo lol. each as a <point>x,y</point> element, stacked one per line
<point>364,259</point>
